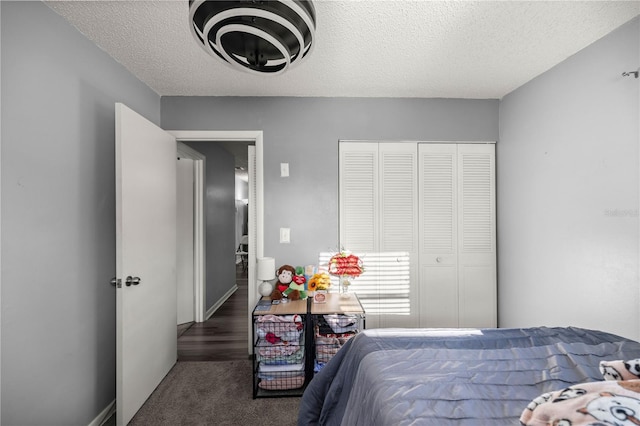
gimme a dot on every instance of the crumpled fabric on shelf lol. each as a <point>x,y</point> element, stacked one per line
<point>341,323</point>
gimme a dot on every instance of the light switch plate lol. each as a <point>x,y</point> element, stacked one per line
<point>285,235</point>
<point>284,169</point>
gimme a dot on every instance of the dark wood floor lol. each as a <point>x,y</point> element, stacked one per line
<point>224,336</point>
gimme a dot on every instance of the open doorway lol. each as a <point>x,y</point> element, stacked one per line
<point>191,253</point>
<point>240,141</point>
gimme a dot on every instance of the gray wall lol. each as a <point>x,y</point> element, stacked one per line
<point>58,217</point>
<point>220,219</point>
<point>567,195</point>
<point>567,165</point>
<point>304,132</point>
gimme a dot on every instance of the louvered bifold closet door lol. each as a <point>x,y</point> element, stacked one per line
<point>438,218</point>
<point>358,199</point>
<point>477,236</point>
<point>398,235</point>
<point>378,223</point>
<point>457,235</point>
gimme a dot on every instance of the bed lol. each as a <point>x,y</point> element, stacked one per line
<point>454,376</point>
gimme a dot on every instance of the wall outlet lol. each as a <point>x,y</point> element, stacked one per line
<point>285,235</point>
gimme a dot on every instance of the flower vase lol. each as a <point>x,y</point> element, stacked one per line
<point>344,287</point>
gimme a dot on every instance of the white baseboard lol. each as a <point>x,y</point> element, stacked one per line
<point>219,303</point>
<point>111,408</point>
<point>104,415</point>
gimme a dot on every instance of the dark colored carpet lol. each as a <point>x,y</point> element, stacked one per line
<point>213,393</point>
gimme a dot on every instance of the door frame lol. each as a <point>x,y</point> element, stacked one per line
<point>199,246</point>
<point>256,245</point>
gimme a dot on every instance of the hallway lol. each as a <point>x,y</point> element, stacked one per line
<point>223,337</point>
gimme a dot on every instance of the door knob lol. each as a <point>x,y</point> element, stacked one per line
<point>438,259</point>
<point>132,280</point>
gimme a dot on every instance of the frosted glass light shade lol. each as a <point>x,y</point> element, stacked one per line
<point>266,268</point>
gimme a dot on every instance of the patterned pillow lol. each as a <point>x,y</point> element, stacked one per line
<point>620,370</point>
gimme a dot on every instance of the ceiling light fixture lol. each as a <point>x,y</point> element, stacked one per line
<point>261,37</point>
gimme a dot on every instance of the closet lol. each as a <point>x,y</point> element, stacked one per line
<point>422,217</point>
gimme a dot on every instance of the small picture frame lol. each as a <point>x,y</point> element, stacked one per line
<point>320,296</point>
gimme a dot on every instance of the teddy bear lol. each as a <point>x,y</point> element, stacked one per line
<point>296,289</point>
<point>285,275</point>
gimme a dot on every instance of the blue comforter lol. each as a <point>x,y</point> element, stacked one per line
<point>453,376</point>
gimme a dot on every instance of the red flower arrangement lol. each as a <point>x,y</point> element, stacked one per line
<point>343,264</point>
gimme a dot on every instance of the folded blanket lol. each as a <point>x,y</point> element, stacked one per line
<point>593,403</point>
<point>279,318</point>
<point>265,368</point>
<point>278,335</point>
<point>282,383</point>
<point>281,373</point>
<point>268,350</point>
<point>269,357</point>
<point>285,327</point>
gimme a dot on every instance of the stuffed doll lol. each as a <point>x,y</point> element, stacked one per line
<point>296,289</point>
<point>285,275</point>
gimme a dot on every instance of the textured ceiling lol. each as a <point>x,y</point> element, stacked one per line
<point>444,49</point>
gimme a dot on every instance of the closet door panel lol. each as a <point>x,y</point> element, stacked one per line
<point>440,296</point>
<point>399,229</point>
<point>476,198</point>
<point>438,202</point>
<point>359,217</point>
<point>477,235</point>
<point>398,197</point>
<point>359,196</point>
<point>477,296</point>
<point>438,206</point>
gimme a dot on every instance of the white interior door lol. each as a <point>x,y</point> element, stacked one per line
<point>145,250</point>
